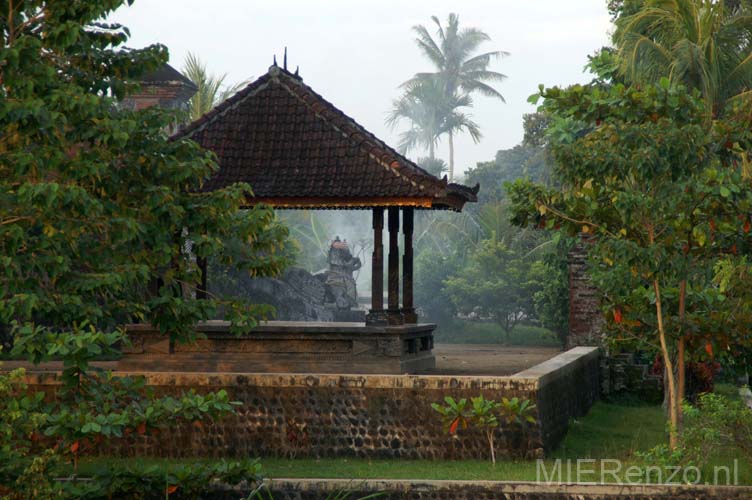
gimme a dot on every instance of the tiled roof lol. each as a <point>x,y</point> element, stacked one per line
<point>296,149</point>
<point>167,75</point>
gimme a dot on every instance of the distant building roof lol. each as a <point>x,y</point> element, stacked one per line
<point>165,87</point>
<point>168,75</point>
<point>297,150</point>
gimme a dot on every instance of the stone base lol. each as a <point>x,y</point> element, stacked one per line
<point>286,346</point>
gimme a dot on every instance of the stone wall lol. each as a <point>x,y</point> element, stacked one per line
<point>585,319</point>
<point>568,385</point>
<point>379,416</point>
<point>314,489</point>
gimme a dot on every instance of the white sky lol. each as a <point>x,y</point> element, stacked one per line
<point>355,53</point>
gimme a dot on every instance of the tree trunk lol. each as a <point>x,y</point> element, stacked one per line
<point>673,402</point>
<point>680,365</point>
<point>451,156</point>
<point>431,148</point>
<point>489,435</point>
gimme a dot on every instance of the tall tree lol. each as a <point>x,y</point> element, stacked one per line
<point>459,69</point>
<point>97,207</point>
<point>430,113</point>
<point>211,89</point>
<point>703,44</point>
<point>667,196</point>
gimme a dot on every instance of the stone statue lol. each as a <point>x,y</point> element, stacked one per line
<point>298,295</point>
<point>339,279</point>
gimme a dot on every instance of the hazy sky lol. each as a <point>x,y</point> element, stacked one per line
<point>355,53</point>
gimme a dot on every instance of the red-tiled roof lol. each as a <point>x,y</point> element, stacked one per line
<point>296,149</point>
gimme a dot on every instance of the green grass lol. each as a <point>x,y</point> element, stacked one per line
<point>481,332</point>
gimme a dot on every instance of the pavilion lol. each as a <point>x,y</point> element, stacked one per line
<point>298,151</point>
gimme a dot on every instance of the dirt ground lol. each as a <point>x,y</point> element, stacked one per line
<point>488,359</point>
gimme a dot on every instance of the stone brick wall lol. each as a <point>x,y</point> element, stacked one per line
<point>314,489</point>
<point>585,320</point>
<point>378,416</point>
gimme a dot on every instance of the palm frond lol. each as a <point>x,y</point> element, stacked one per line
<point>478,86</point>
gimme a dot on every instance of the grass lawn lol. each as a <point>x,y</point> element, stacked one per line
<point>481,332</point>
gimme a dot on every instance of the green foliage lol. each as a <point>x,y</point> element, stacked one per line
<point>102,219</point>
<point>433,166</point>
<point>552,300</point>
<point>459,72</point>
<point>483,414</point>
<point>716,422</point>
<point>460,331</point>
<point>703,44</point>
<point>210,87</point>
<point>665,194</point>
<point>522,161</point>
<point>644,164</point>
<point>431,113</point>
<point>455,415</point>
<point>604,64</point>
<point>431,270</point>
<point>498,282</point>
<point>517,411</point>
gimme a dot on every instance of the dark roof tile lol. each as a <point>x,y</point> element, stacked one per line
<point>286,141</point>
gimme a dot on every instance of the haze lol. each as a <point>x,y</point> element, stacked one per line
<point>356,53</point>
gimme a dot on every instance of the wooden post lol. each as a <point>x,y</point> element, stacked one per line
<point>393,311</point>
<point>377,315</point>
<point>408,308</point>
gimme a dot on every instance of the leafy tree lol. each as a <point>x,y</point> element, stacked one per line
<point>703,44</point>
<point>458,67</point>
<point>210,87</point>
<point>552,300</point>
<point>497,281</point>
<point>431,270</point>
<point>98,208</point>
<point>521,161</point>
<point>666,195</point>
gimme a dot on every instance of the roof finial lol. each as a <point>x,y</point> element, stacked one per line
<point>275,60</point>
<point>284,65</point>
<point>296,70</point>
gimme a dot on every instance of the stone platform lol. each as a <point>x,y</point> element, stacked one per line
<point>285,347</point>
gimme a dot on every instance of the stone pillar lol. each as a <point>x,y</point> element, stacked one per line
<point>408,308</point>
<point>377,315</point>
<point>393,308</point>
<point>585,317</point>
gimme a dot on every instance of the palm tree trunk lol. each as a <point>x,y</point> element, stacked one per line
<point>451,156</point>
<point>431,148</point>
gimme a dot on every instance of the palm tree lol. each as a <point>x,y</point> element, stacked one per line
<point>210,91</point>
<point>434,166</point>
<point>703,44</point>
<point>422,106</point>
<point>458,67</point>
<point>431,113</point>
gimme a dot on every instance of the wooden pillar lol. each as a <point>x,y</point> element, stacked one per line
<point>377,315</point>
<point>393,310</point>
<point>408,308</point>
<point>201,289</point>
